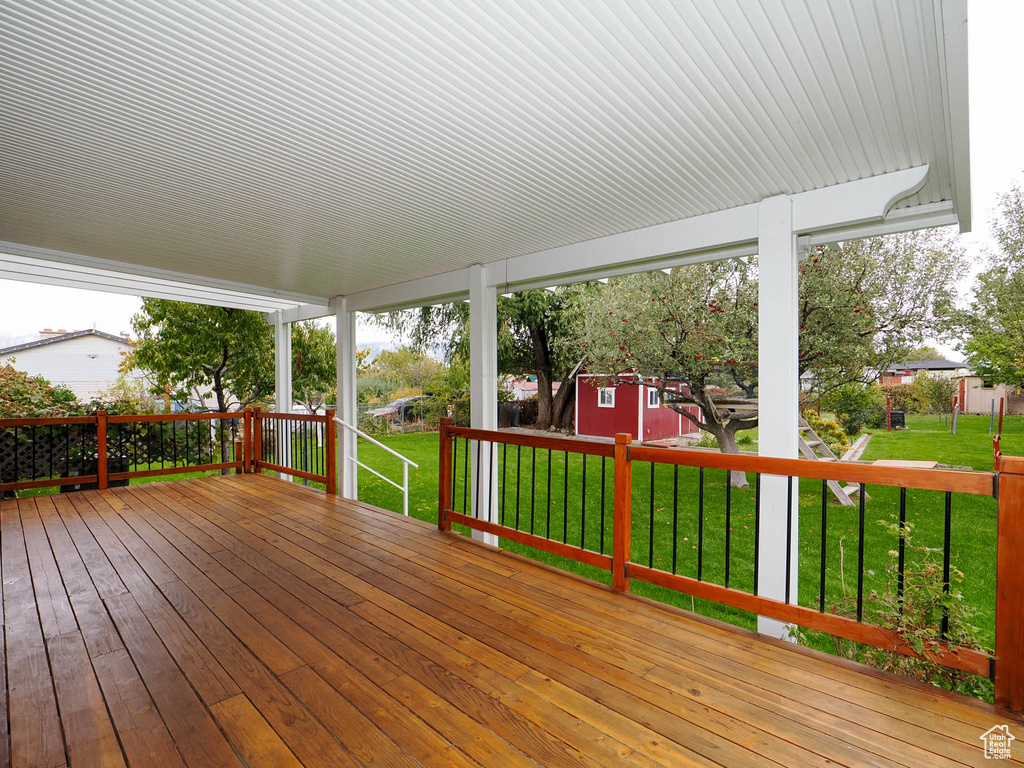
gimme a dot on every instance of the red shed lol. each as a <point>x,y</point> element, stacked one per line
<point>604,411</point>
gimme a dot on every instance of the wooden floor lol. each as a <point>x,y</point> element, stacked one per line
<point>243,621</point>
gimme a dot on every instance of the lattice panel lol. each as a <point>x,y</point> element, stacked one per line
<point>35,453</point>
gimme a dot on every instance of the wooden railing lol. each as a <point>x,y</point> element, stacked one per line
<point>578,528</point>
<point>299,445</point>
<point>98,451</point>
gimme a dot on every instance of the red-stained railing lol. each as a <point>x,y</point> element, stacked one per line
<point>98,451</point>
<point>522,465</point>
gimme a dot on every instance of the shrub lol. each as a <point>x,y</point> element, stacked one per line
<point>932,394</point>
<point>854,406</point>
<point>902,397</point>
<point>916,615</point>
<point>528,410</point>
<point>830,432</point>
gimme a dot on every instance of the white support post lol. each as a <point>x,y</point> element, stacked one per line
<point>778,401</point>
<point>283,385</point>
<point>483,369</point>
<point>346,405</point>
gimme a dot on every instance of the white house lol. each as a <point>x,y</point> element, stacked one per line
<point>86,362</point>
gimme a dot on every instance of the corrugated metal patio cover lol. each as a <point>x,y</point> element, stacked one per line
<point>329,148</point>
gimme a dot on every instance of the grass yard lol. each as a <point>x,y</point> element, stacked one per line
<point>524,476</point>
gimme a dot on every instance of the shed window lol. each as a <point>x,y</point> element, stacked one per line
<point>653,398</point>
<point>987,384</point>
<point>606,397</point>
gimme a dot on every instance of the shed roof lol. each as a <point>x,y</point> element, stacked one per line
<point>316,150</point>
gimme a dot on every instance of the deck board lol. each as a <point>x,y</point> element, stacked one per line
<point>240,620</point>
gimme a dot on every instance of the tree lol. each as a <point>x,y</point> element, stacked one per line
<point>192,349</point>
<point>993,326</point>
<point>314,364</point>
<point>924,353</point>
<point>529,325</point>
<point>28,397</point>
<point>862,306</point>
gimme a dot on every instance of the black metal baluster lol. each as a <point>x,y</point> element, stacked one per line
<point>675,516</point>
<point>15,476</point>
<point>490,480</point>
<point>903,543</point>
<point>789,533</point>
<point>174,443</point>
<point>188,451</point>
<point>504,476</point>
<point>700,526</point>
<point>565,501</point>
<point>824,540</point>
<point>602,501</point>
<point>67,451</point>
<point>465,480</point>
<point>533,488</point>
<point>52,473</point>
<point>476,483</point>
<point>757,529</point>
<point>945,561</point>
<point>33,451</point>
<point>583,506</point>
<point>650,540</point>
<point>549,494</point>
<point>860,559</point>
<point>728,525</point>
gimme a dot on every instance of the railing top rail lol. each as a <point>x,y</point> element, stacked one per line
<point>147,417</point>
<point>376,442</point>
<point>975,483</point>
<point>48,421</point>
<point>571,444</point>
<point>315,418</point>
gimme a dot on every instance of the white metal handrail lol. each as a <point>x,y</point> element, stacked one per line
<point>404,487</point>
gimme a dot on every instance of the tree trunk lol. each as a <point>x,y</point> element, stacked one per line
<point>727,444</point>
<point>545,401</point>
<point>222,407</point>
<point>542,365</point>
<point>565,404</point>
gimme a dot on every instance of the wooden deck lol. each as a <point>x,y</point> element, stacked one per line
<point>242,621</point>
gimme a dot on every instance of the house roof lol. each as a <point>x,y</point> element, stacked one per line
<point>65,337</point>
<point>323,150</point>
<point>927,365</point>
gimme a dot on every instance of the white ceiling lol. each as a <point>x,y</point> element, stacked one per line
<point>322,149</point>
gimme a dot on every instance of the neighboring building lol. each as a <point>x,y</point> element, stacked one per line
<point>634,408</point>
<point>976,395</point>
<point>86,362</point>
<point>526,387</point>
<point>904,373</point>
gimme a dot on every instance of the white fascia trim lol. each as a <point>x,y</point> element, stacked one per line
<point>33,270</point>
<point>951,33</point>
<point>941,214</point>
<point>147,275</point>
<point>710,237</point>
<point>302,312</point>
<point>435,289</point>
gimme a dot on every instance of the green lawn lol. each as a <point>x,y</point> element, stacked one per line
<point>524,476</point>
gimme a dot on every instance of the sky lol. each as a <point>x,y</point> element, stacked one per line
<point>997,162</point>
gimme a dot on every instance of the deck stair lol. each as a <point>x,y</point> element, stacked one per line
<point>813,447</point>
